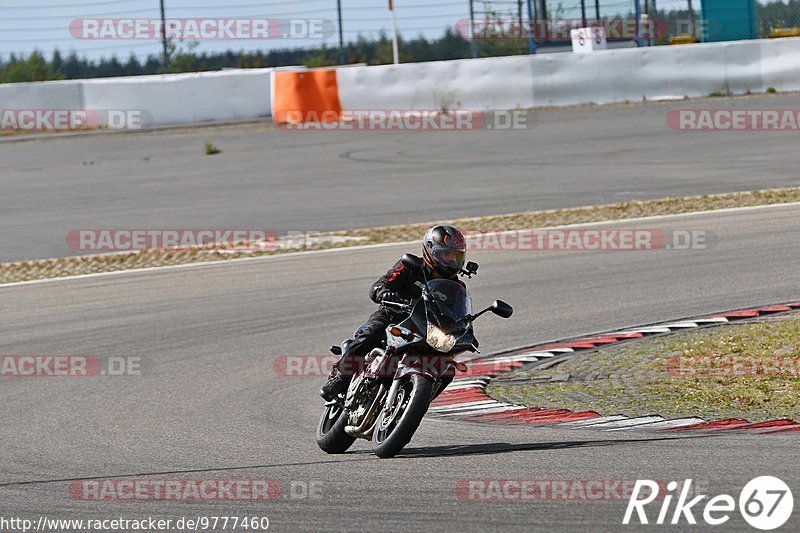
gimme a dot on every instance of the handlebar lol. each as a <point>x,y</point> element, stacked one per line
<point>404,307</point>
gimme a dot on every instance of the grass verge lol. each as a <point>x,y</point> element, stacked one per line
<point>745,370</point>
<point>111,262</point>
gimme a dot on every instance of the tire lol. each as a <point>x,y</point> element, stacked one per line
<point>331,437</point>
<point>389,440</point>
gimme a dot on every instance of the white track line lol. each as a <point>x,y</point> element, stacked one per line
<point>465,405</point>
<point>630,422</point>
<point>471,403</point>
<point>680,325</point>
<point>599,420</point>
<point>715,320</point>
<point>469,381</point>
<point>390,244</point>
<point>461,386</point>
<point>481,387</point>
<point>473,410</point>
<point>493,410</point>
<point>665,424</point>
<point>503,408</point>
<point>463,381</point>
<point>654,329</point>
<point>476,378</point>
<point>208,263</point>
<point>510,359</point>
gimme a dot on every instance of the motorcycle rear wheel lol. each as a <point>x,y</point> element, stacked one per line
<point>392,433</point>
<point>331,437</point>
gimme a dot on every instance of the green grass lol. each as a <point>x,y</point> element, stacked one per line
<point>746,370</point>
<point>211,149</point>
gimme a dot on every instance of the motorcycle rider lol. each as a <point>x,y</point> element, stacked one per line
<point>444,250</point>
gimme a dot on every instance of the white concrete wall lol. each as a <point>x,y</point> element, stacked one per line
<point>163,99</point>
<point>56,95</point>
<point>780,63</point>
<point>518,82</point>
<point>185,98</point>
<point>484,84</point>
<point>663,72</point>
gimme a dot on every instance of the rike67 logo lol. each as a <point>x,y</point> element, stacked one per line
<point>765,503</point>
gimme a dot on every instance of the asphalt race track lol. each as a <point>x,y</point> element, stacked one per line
<point>311,181</point>
<point>209,405</point>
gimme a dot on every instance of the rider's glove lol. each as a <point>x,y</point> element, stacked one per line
<point>393,297</point>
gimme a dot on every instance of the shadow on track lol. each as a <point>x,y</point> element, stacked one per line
<point>188,471</point>
<point>505,447</point>
<point>490,448</point>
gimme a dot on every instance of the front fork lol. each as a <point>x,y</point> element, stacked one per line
<point>440,382</point>
<point>391,397</point>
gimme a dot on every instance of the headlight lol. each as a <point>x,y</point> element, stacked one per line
<point>440,340</point>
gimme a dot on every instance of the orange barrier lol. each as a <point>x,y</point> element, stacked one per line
<point>305,96</point>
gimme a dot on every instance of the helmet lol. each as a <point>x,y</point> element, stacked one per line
<point>444,249</point>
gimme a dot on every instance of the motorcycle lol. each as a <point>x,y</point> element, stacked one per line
<point>390,394</point>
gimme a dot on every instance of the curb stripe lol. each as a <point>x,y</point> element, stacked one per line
<point>467,405</point>
<point>466,397</point>
<point>473,408</point>
<point>509,416</point>
<point>496,411</point>
<point>583,416</point>
<point>716,425</point>
<point>464,386</point>
<point>717,320</point>
<point>637,421</point>
<point>600,419</point>
<point>670,424</point>
<point>491,410</point>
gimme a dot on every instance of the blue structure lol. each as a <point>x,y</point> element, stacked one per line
<point>729,20</point>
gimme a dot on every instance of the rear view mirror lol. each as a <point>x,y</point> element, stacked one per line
<point>412,261</point>
<point>502,309</point>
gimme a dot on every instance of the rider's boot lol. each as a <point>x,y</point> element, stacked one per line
<point>335,386</point>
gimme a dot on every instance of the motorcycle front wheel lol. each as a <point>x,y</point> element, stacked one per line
<point>395,427</point>
<point>331,437</point>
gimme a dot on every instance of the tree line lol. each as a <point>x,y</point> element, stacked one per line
<point>184,58</point>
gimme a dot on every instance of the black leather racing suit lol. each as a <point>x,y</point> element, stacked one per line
<point>399,282</point>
